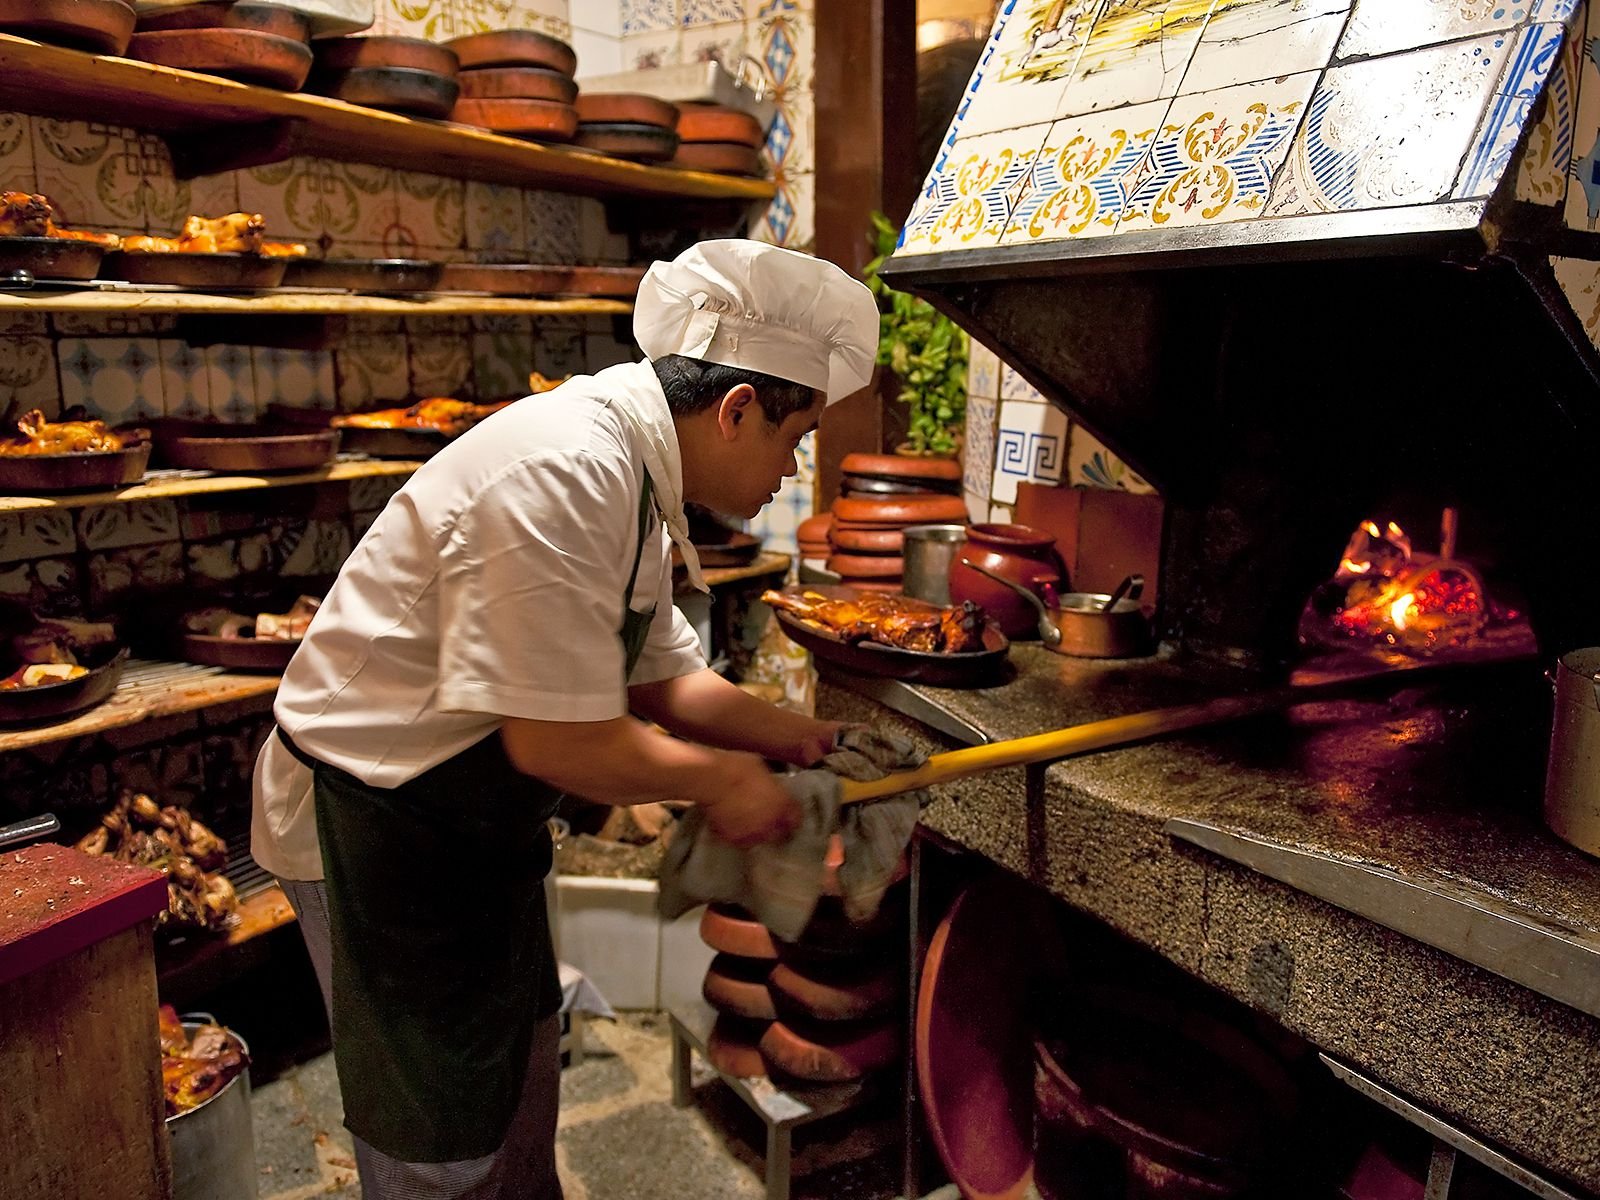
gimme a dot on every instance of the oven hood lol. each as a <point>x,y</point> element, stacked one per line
<point>1299,262</point>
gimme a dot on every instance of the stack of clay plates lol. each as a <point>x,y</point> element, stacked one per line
<point>880,495</point>
<point>823,1009</point>
<point>812,535</point>
<point>517,82</point>
<point>397,74</point>
<point>263,44</point>
<point>627,125</point>
<point>714,138</point>
<point>101,26</point>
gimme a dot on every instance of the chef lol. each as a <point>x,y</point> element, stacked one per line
<point>483,651</point>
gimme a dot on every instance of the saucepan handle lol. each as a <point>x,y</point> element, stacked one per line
<point>1047,627</point>
<point>29,830</point>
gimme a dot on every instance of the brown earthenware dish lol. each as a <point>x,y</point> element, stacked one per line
<point>392,89</point>
<point>514,48</point>
<point>239,54</point>
<point>714,123</point>
<point>867,541</point>
<point>732,1047</point>
<point>518,83</point>
<point>50,258</point>
<point>214,446</point>
<point>238,653</point>
<point>69,697</point>
<point>720,158</point>
<point>259,18</point>
<point>205,271</point>
<point>25,474</point>
<point>734,931</point>
<point>100,26</point>
<point>867,566</point>
<point>522,279</point>
<point>412,54</point>
<point>894,466</point>
<point>847,993</point>
<point>382,276</point>
<point>645,143</point>
<point>540,119</point>
<point>830,1054</point>
<point>738,986</point>
<point>891,510</point>
<point>626,108</point>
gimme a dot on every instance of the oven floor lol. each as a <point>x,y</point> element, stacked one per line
<point>619,1134</point>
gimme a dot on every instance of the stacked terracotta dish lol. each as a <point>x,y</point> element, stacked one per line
<point>517,82</point>
<point>823,1009</point>
<point>396,74</point>
<point>880,495</point>
<point>714,138</point>
<point>99,26</point>
<point>264,44</point>
<point>627,125</point>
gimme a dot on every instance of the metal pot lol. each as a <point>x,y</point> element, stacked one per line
<point>1087,624</point>
<point>929,551</point>
<point>1572,774</point>
<point>213,1146</point>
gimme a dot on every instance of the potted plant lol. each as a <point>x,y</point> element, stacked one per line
<point>926,351</point>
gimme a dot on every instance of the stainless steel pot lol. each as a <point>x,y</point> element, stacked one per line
<point>213,1146</point>
<point>1572,774</point>
<point>929,551</point>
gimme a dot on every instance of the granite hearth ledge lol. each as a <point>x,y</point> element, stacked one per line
<point>1432,788</point>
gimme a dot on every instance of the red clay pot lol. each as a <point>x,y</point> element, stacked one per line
<point>1018,552</point>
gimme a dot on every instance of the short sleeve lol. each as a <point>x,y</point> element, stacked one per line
<point>673,647</point>
<point>531,592</point>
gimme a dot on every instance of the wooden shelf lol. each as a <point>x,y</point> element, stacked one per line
<point>55,82</point>
<point>148,689</point>
<point>162,485</point>
<point>303,303</point>
<point>766,563</point>
<point>259,913</point>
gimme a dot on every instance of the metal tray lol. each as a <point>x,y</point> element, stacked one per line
<point>53,701</point>
<point>25,474</point>
<point>975,668</point>
<point>206,271</point>
<point>380,275</point>
<point>50,257</point>
<point>238,654</point>
<point>212,446</point>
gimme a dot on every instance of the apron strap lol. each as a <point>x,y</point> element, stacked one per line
<point>645,496</point>
<point>300,755</point>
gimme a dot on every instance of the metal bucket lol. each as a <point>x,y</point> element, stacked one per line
<point>1572,775</point>
<point>213,1146</point>
<point>929,551</point>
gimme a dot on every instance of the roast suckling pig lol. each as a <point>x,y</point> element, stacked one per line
<point>23,214</point>
<point>39,436</point>
<point>235,233</point>
<point>439,413</point>
<point>891,620</point>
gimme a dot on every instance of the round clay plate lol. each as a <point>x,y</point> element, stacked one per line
<point>830,1053</point>
<point>239,54</point>
<point>713,123</point>
<point>647,143</point>
<point>202,271</point>
<point>733,1047</point>
<point>892,511</point>
<point>518,83</point>
<point>393,89</point>
<point>738,987</point>
<point>895,466</point>
<point>721,158</point>
<point>50,257</point>
<point>68,697</point>
<point>626,108</point>
<point>733,931</point>
<point>260,18</point>
<point>514,48</point>
<point>25,474</point>
<point>101,26</point>
<point>412,54</point>
<point>523,118</point>
<point>238,654</point>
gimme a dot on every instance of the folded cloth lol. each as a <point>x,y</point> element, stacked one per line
<point>780,883</point>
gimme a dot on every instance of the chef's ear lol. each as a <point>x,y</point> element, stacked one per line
<point>737,406</point>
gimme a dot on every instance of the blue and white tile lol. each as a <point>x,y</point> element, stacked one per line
<point>1583,187</point>
<point>1580,283</point>
<point>496,222</point>
<point>778,219</point>
<point>1384,27</point>
<point>1389,131</point>
<point>983,370</point>
<point>1266,39</point>
<point>984,179</point>
<point>115,379</point>
<point>709,12</point>
<point>29,377</point>
<point>1091,464</point>
<point>653,50</point>
<point>977,448</point>
<point>1542,169</point>
<point>1535,51</point>
<point>294,378</point>
<point>1030,446</point>
<point>231,381</point>
<point>555,227</point>
<point>1014,387</point>
<point>108,526</point>
<point>185,385</point>
<point>1216,156</point>
<point>26,535</point>
<point>1135,53</point>
<point>648,16</point>
<point>1085,175</point>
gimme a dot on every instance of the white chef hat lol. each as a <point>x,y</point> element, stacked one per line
<point>761,307</point>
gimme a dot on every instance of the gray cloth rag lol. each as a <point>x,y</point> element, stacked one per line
<point>780,883</point>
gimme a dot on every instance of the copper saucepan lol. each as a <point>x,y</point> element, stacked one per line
<point>1088,624</point>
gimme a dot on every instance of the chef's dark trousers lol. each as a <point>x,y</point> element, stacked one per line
<point>523,1168</point>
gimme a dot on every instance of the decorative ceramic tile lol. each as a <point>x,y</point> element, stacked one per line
<point>285,194</point>
<point>709,12</point>
<point>322,549</point>
<point>559,352</point>
<point>1216,155</point>
<point>91,172</point>
<point>1542,170</point>
<point>1383,27</point>
<point>440,366</point>
<point>1580,281</point>
<point>108,526</point>
<point>983,370</point>
<point>368,370</point>
<point>1130,53</point>
<point>1085,174</point>
<point>230,377</point>
<point>776,524</point>
<point>213,195</point>
<point>785,45</point>
<point>24,324</point>
<point>127,325</point>
<point>1030,444</point>
<point>1535,51</point>
<point>649,51</point>
<point>16,150</point>
<point>723,43</point>
<point>115,379</point>
<point>1014,387</point>
<point>25,535</point>
<point>647,16</point>
<point>500,364</point>
<point>185,385</point>
<point>546,16</point>
<point>1022,69</point>
<point>977,448</point>
<point>596,16</point>
<point>297,378</point>
<point>555,233</point>
<point>1583,187</point>
<point>157,567</point>
<point>596,242</point>
<point>229,558</point>
<point>1388,131</point>
<point>1264,40</point>
<point>40,579</point>
<point>1090,464</point>
<point>430,212</point>
<point>29,377</point>
<point>985,177</point>
<point>800,191</point>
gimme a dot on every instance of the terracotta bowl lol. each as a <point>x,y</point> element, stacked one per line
<point>720,158</point>
<point>518,83</point>
<point>239,54</point>
<point>260,18</point>
<point>733,1047</point>
<point>713,123</point>
<point>856,993</point>
<point>894,466</point>
<point>392,89</point>
<point>630,108</point>
<point>644,143</point>
<point>514,48</point>
<point>540,119</point>
<point>892,511</point>
<point>738,987</point>
<point>827,1053</point>
<point>100,26</point>
<point>412,54</point>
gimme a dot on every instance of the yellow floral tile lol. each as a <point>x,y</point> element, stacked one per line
<point>983,179</point>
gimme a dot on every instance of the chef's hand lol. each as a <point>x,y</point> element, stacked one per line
<point>874,750</point>
<point>818,742</point>
<point>744,804</point>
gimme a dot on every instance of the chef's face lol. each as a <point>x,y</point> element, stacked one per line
<point>763,454</point>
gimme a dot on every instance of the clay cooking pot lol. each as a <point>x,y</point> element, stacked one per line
<point>1019,553</point>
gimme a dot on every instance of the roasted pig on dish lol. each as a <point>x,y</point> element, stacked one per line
<point>23,214</point>
<point>236,233</point>
<point>897,621</point>
<point>39,436</point>
<point>440,414</point>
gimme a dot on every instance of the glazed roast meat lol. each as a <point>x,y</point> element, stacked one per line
<point>891,620</point>
<point>24,215</point>
<point>234,233</point>
<point>39,436</point>
<point>439,414</point>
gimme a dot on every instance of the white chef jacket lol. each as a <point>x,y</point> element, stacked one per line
<point>490,586</point>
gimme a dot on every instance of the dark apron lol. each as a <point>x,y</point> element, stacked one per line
<point>442,959</point>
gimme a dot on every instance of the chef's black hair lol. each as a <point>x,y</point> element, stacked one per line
<point>692,384</point>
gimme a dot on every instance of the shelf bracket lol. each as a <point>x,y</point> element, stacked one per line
<point>220,148</point>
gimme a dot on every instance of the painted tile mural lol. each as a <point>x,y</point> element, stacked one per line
<point>1535,52</point>
<point>1583,185</point>
<point>1542,170</point>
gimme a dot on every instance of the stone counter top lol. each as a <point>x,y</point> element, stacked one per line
<point>1434,785</point>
